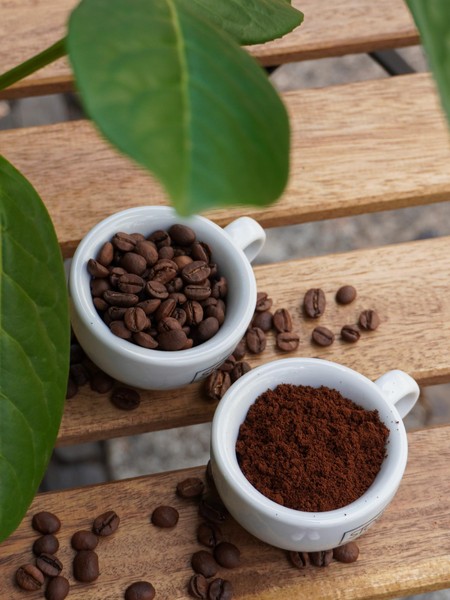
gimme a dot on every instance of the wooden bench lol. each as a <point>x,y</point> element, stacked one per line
<point>356,149</point>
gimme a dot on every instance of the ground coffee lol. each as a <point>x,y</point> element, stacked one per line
<point>309,448</point>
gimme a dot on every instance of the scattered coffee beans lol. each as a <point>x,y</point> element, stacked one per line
<point>273,458</point>
<point>282,320</point>
<point>47,544</point>
<point>345,294</point>
<point>125,398</point>
<point>256,340</point>
<point>209,534</point>
<point>347,553</point>
<point>287,341</point>
<point>85,566</point>
<point>350,333</point>
<point>314,303</point>
<point>227,555</point>
<point>220,589</point>
<point>49,564</point>
<point>106,523</point>
<point>298,559</point>
<point>369,320</point>
<point>198,587</point>
<point>141,590</point>
<point>57,588</point>
<point>192,487</point>
<point>321,559</point>
<point>322,336</point>
<point>45,522</point>
<point>212,509</point>
<point>165,516</point>
<point>84,540</point>
<point>216,384</point>
<point>29,578</point>
<point>203,562</point>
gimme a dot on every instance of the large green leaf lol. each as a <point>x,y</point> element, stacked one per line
<point>251,21</point>
<point>34,344</point>
<point>432,18</point>
<point>180,97</point>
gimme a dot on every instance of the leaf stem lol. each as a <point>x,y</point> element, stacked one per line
<point>47,56</point>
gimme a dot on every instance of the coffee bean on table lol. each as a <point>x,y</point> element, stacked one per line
<point>256,340</point>
<point>220,589</point>
<point>287,341</point>
<point>322,336</point>
<point>72,389</point>
<point>45,522</point>
<point>57,588</point>
<point>282,320</point>
<point>298,559</point>
<point>345,294</point>
<point>125,398</point>
<point>101,382</point>
<point>227,555</point>
<point>321,559</point>
<point>106,523</point>
<point>369,320</point>
<point>350,333</point>
<point>84,540</point>
<point>239,369</point>
<point>29,578</point>
<point>228,364</point>
<point>165,516</point>
<point>263,302</point>
<point>314,303</point>
<point>49,564</point>
<point>347,553</point>
<point>212,509</point>
<point>140,590</point>
<point>198,587</point>
<point>47,544</point>
<point>263,320</point>
<point>191,487</point>
<point>85,566</point>
<point>209,534</point>
<point>240,350</point>
<point>203,562</point>
<point>216,384</point>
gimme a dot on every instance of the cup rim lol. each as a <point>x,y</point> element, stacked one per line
<point>81,297</point>
<point>375,497</point>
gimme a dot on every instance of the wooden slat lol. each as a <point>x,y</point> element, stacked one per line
<point>357,148</point>
<point>29,26</point>
<point>405,552</point>
<point>408,284</point>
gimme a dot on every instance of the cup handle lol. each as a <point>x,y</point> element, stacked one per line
<point>399,389</point>
<point>248,235</point>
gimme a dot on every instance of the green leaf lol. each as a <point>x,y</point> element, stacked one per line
<point>251,21</point>
<point>180,97</point>
<point>34,344</point>
<point>432,18</point>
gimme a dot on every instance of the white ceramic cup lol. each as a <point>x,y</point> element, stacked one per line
<point>232,249</point>
<point>393,395</point>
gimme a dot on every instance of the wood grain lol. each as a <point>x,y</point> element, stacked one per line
<point>30,26</point>
<point>408,285</point>
<point>358,148</point>
<point>405,552</point>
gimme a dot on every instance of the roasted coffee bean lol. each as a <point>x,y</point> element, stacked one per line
<point>195,272</point>
<point>160,237</point>
<point>263,320</point>
<point>256,340</point>
<point>219,288</point>
<point>212,509</point>
<point>345,294</point>
<point>46,544</point>
<point>123,241</point>
<point>369,320</point>
<point>241,349</point>
<point>29,578</point>
<point>263,302</point>
<point>198,587</point>
<point>96,269</point>
<point>228,364</point>
<point>78,374</point>
<point>85,566</point>
<point>220,589</point>
<point>140,590</point>
<point>194,312</point>
<point>165,516</point>
<point>115,275</point>
<point>148,251</point>
<point>321,559</point>
<point>156,289</point>
<point>216,384</point>
<point>106,254</point>
<point>172,340</point>
<point>203,562</point>
<point>197,292</point>
<point>49,564</point>
<point>227,555</point>
<point>216,312</point>
<point>130,283</point>
<point>119,329</point>
<point>182,234</point>
<point>117,313</point>
<point>101,382</point>
<point>182,261</point>
<point>84,540</point>
<point>164,270</point>
<point>135,319</point>
<point>165,309</point>
<point>100,305</point>
<point>314,303</point>
<point>133,263</point>
<point>72,389</point>
<point>45,522</point>
<point>201,251</point>
<point>149,306</point>
<point>180,315</point>
<point>166,252</point>
<point>76,353</point>
<point>125,398</point>
<point>57,588</point>
<point>347,553</point>
<point>282,320</point>
<point>106,523</point>
<point>322,336</point>
<point>175,286</point>
<point>120,298</point>
<point>350,333</point>
<point>99,287</point>
<point>192,487</point>
<point>145,340</point>
<point>239,369</point>
<point>209,534</point>
<point>168,324</point>
<point>298,559</point>
<point>287,341</point>
<point>207,329</point>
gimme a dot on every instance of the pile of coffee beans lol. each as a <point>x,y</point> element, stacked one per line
<point>347,553</point>
<point>161,291</point>
<point>47,566</point>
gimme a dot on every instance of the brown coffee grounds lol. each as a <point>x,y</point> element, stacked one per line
<point>309,448</point>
